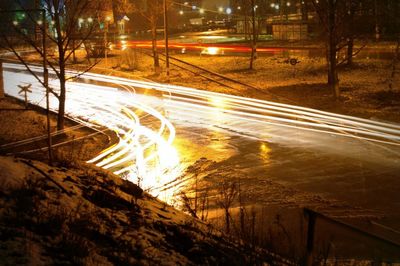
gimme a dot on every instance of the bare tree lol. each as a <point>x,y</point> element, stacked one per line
<point>226,195</point>
<point>330,17</point>
<point>351,9</point>
<point>337,19</point>
<point>199,203</point>
<point>119,8</point>
<point>252,13</point>
<point>242,14</point>
<point>1,81</point>
<point>392,13</point>
<point>65,31</point>
<point>152,11</point>
<point>188,204</point>
<point>204,205</point>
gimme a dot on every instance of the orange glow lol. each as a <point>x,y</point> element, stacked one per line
<point>210,48</point>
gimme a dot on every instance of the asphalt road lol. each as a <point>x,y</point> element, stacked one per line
<point>163,129</point>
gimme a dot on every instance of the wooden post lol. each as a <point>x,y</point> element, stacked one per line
<point>26,99</point>
<point>310,236</point>
<point>1,81</point>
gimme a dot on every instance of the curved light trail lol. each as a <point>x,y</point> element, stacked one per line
<point>143,113</point>
<point>144,153</point>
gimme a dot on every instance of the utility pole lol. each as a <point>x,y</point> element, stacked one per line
<point>254,39</point>
<point>46,84</point>
<point>166,36</point>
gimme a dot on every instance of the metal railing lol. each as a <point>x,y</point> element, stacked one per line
<point>347,241</point>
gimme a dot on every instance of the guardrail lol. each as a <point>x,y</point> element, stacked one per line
<point>360,244</point>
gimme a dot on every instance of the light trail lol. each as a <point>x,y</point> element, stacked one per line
<point>206,48</point>
<point>144,123</point>
<point>285,115</point>
<point>144,153</point>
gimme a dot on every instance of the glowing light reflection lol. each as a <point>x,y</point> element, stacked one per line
<point>145,150</point>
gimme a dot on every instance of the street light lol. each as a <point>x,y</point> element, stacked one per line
<point>80,22</point>
<point>228,11</point>
<point>201,10</point>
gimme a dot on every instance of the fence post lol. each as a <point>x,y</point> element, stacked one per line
<point>1,80</point>
<point>310,235</point>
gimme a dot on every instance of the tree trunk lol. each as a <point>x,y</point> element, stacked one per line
<point>154,46</point>
<point>304,10</point>
<point>195,194</point>
<point>350,48</point>
<point>246,26</point>
<point>242,232</point>
<point>394,63</point>
<point>350,37</point>
<point>333,80</point>
<point>1,81</point>
<point>227,221</point>
<point>62,97</point>
<point>74,52</point>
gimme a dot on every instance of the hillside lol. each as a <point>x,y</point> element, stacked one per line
<point>76,214</point>
<point>53,215</point>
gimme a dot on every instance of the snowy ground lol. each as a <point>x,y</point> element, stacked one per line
<point>364,86</point>
<point>18,124</point>
<point>81,215</point>
<point>364,94</point>
<point>89,217</point>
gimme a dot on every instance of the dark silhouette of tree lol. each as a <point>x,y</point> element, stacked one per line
<point>337,18</point>
<point>152,11</point>
<point>226,195</point>
<point>65,31</point>
<point>331,18</point>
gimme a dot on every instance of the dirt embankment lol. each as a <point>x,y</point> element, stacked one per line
<point>77,214</point>
<point>24,133</point>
